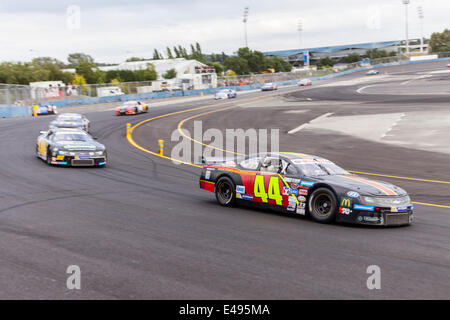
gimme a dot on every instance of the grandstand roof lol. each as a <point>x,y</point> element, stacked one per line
<point>330,49</point>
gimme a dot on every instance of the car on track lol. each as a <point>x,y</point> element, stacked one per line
<point>71,120</point>
<point>448,66</point>
<point>225,94</point>
<point>44,110</point>
<point>304,82</point>
<point>372,72</point>
<point>70,147</point>
<point>269,87</point>
<point>306,185</point>
<point>131,107</point>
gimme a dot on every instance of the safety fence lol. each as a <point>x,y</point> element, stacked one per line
<point>19,95</point>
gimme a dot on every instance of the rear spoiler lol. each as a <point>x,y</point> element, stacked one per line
<point>215,160</point>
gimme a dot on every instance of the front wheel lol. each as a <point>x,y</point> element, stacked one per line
<point>323,205</point>
<point>48,158</point>
<point>225,192</point>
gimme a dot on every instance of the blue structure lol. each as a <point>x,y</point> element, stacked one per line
<point>296,55</point>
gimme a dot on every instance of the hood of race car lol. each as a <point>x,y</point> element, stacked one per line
<point>363,186</point>
<point>80,146</point>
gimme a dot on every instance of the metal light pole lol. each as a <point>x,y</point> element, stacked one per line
<point>420,12</point>
<point>245,25</point>
<point>406,2</point>
<point>300,29</point>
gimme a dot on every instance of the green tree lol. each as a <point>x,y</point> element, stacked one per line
<point>277,63</point>
<point>76,58</point>
<point>156,55</point>
<point>79,80</point>
<point>169,53</point>
<point>177,52</point>
<point>88,71</point>
<point>237,64</point>
<point>325,63</point>
<point>133,59</point>
<point>170,74</point>
<point>440,41</point>
<point>351,58</point>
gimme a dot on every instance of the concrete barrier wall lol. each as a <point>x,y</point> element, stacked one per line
<point>14,111</point>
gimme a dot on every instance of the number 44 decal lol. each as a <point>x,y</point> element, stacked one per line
<point>273,190</point>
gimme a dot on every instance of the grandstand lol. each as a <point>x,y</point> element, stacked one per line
<point>295,56</point>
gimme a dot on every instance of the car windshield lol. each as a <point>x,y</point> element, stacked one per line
<point>129,103</point>
<point>69,118</point>
<point>71,136</point>
<point>318,167</point>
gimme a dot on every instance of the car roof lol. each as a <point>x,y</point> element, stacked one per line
<point>289,155</point>
<point>63,115</point>
<point>74,130</point>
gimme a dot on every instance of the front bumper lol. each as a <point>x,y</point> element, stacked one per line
<point>78,161</point>
<point>378,217</point>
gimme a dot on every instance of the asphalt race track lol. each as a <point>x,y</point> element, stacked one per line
<point>142,229</point>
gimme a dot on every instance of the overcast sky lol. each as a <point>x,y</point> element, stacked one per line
<point>113,30</point>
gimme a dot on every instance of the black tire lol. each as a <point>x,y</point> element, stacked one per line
<point>49,157</point>
<point>225,192</point>
<point>323,205</point>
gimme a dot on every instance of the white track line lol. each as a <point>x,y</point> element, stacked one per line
<point>417,78</point>
<point>305,124</point>
<point>393,125</point>
<point>360,90</point>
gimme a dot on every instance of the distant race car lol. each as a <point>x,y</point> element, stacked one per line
<point>44,109</point>
<point>372,72</point>
<point>269,87</point>
<point>70,147</point>
<point>448,66</point>
<point>225,94</point>
<point>306,185</point>
<point>304,82</point>
<point>71,120</point>
<point>131,107</point>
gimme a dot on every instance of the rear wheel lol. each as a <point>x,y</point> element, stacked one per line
<point>225,192</point>
<point>323,205</point>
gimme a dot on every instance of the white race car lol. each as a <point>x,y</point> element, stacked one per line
<point>269,87</point>
<point>304,82</point>
<point>225,94</point>
<point>372,72</point>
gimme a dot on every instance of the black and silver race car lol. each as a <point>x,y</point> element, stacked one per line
<point>71,120</point>
<point>305,184</point>
<point>70,147</point>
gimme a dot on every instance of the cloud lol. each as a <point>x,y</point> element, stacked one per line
<point>111,31</point>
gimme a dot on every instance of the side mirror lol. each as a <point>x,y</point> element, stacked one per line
<point>42,132</point>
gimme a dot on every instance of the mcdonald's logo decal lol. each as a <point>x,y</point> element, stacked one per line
<point>346,203</point>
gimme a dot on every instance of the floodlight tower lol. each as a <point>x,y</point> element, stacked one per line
<point>420,12</point>
<point>245,24</point>
<point>300,30</point>
<point>406,2</point>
